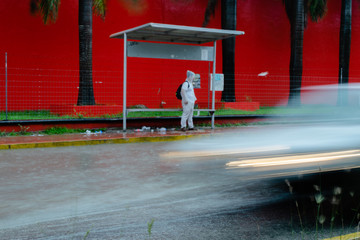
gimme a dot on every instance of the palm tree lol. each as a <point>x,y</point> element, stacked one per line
<point>228,21</point>
<point>344,47</point>
<point>295,10</point>
<point>49,10</point>
<point>297,14</point>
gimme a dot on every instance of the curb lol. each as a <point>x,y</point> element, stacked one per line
<point>351,236</point>
<point>68,143</point>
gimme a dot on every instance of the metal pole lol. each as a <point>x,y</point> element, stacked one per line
<point>208,105</point>
<point>213,88</point>
<point>6,88</point>
<point>124,80</point>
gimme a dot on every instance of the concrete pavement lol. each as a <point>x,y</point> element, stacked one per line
<point>111,136</point>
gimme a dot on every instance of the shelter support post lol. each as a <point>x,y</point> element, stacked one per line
<point>213,88</point>
<point>124,82</point>
<point>6,88</point>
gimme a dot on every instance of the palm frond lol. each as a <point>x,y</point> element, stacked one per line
<point>317,9</point>
<point>290,7</point>
<point>210,11</point>
<point>99,8</point>
<point>49,10</point>
<point>136,7</point>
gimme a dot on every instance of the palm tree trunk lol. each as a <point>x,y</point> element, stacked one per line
<point>86,92</point>
<point>297,22</point>
<point>344,48</point>
<point>228,21</point>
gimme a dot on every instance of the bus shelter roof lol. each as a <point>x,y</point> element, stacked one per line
<point>175,33</point>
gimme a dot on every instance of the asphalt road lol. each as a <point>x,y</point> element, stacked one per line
<point>116,191</point>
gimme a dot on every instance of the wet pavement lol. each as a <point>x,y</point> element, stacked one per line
<point>111,136</point>
<point>112,191</point>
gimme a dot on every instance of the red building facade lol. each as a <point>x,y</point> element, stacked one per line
<point>43,60</point>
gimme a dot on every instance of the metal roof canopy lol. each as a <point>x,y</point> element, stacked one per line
<point>175,33</point>
<point>166,33</point>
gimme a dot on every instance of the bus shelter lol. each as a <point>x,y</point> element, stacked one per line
<point>154,40</point>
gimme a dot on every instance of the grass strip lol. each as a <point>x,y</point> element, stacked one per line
<point>46,115</point>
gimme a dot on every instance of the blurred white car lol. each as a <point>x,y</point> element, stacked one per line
<point>321,135</point>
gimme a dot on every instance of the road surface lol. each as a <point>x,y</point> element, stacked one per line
<point>116,191</point>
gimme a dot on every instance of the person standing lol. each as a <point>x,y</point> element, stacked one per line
<point>188,101</point>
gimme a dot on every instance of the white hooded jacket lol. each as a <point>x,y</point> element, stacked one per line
<point>187,89</point>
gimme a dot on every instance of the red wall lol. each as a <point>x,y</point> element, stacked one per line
<point>43,59</point>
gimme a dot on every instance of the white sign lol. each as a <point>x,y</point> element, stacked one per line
<point>197,81</point>
<point>218,82</point>
<point>169,51</point>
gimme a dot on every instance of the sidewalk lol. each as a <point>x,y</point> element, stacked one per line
<point>114,136</point>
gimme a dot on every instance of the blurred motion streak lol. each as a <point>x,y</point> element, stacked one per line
<point>287,160</point>
<point>208,153</point>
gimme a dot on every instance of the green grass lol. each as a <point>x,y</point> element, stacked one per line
<point>239,124</point>
<point>154,114</point>
<point>49,131</point>
<point>262,111</point>
<point>219,112</point>
<point>178,113</point>
<point>23,132</point>
<point>150,225</point>
<point>61,130</point>
<point>27,115</point>
<point>64,130</point>
<point>46,115</point>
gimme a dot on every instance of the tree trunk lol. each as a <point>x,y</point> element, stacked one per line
<point>344,48</point>
<point>297,22</point>
<point>86,92</point>
<point>228,21</point>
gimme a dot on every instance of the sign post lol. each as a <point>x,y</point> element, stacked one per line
<point>124,82</point>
